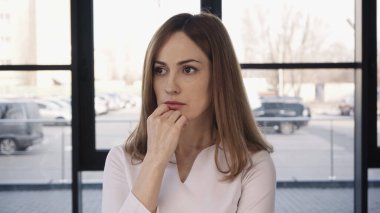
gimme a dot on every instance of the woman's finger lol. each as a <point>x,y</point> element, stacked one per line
<point>181,122</point>
<point>167,114</point>
<point>174,116</point>
<point>160,110</point>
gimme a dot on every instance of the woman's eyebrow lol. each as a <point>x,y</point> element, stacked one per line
<point>160,62</point>
<point>187,61</point>
<point>179,63</point>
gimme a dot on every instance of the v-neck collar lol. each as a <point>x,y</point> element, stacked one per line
<point>173,160</point>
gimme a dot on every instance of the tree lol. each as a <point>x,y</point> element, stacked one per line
<point>290,36</point>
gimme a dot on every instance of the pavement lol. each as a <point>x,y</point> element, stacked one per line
<point>292,200</point>
<point>314,153</point>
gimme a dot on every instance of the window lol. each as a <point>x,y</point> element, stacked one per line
<point>35,148</point>
<point>119,53</point>
<point>303,49</point>
<point>291,31</point>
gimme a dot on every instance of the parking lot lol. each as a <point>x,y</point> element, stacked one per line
<point>319,151</point>
<point>322,150</point>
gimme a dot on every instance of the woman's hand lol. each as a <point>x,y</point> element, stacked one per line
<point>164,128</point>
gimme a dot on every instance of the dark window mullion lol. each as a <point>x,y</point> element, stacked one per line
<point>301,65</point>
<point>214,6</point>
<point>34,67</point>
<point>370,79</point>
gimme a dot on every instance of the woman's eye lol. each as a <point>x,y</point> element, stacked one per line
<point>159,71</point>
<point>189,70</point>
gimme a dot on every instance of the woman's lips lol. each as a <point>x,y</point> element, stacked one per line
<point>174,105</point>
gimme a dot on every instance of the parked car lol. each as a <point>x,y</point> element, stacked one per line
<point>283,114</point>
<point>18,135</point>
<point>111,101</point>
<point>62,103</point>
<point>101,106</point>
<point>50,110</point>
<point>346,106</point>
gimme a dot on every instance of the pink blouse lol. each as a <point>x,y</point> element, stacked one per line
<point>203,190</point>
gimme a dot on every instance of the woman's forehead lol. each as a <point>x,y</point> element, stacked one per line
<point>180,47</point>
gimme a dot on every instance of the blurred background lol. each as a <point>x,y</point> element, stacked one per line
<point>307,114</point>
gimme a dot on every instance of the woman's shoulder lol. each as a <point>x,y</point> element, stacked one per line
<point>260,156</point>
<point>119,154</point>
<point>118,150</point>
<point>261,166</point>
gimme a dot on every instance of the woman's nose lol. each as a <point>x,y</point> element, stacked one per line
<point>172,86</point>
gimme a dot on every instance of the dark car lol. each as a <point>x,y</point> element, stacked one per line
<point>16,133</point>
<point>346,106</point>
<point>283,114</point>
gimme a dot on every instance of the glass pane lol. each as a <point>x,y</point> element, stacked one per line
<point>30,199</point>
<point>35,32</point>
<point>92,191</point>
<point>35,111</point>
<point>291,31</point>
<point>317,199</point>
<point>373,190</point>
<point>35,142</point>
<point>119,54</point>
<point>301,114</point>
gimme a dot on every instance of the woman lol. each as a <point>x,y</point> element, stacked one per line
<point>196,147</point>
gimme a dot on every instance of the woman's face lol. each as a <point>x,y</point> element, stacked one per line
<point>181,77</point>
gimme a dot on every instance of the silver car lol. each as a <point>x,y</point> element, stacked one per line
<point>16,132</point>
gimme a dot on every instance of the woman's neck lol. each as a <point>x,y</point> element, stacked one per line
<point>197,135</point>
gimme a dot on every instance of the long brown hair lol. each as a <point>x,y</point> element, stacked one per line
<point>231,112</point>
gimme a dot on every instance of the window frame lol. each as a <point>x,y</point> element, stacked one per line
<point>85,156</point>
<point>90,159</point>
